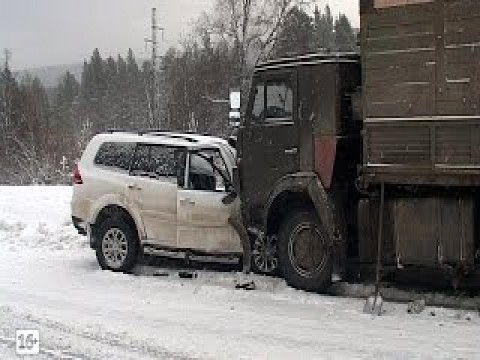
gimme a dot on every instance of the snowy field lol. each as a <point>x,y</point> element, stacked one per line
<point>49,280</point>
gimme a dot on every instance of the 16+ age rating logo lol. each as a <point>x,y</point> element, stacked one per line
<point>27,342</point>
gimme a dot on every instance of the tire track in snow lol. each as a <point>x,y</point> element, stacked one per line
<point>101,340</point>
<point>50,353</point>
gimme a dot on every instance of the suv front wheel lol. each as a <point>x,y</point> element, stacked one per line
<point>117,249</point>
<point>305,256</point>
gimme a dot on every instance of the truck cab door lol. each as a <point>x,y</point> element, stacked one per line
<point>269,137</point>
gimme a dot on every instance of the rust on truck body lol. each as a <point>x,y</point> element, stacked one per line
<point>325,155</point>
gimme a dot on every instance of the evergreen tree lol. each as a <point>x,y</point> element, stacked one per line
<point>296,35</point>
<point>324,29</point>
<point>87,83</point>
<point>67,90</point>
<point>9,104</point>
<point>345,38</point>
<point>122,69</point>
<point>132,66</point>
<point>111,73</point>
<point>98,71</point>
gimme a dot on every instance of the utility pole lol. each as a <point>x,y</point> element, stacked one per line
<point>8,55</point>
<point>156,121</point>
<point>6,93</point>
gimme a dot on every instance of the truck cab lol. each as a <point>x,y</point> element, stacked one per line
<point>298,146</point>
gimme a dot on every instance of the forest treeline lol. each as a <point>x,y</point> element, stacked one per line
<point>43,131</point>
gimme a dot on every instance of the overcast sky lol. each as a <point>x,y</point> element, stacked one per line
<point>51,32</point>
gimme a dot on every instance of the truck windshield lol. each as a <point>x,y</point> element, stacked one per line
<point>279,99</point>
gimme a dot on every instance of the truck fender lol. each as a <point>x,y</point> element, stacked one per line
<point>310,184</point>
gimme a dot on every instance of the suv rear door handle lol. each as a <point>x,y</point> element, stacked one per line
<point>292,151</point>
<point>134,187</point>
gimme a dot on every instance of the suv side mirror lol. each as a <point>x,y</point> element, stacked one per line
<point>232,141</point>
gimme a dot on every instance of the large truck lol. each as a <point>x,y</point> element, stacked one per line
<point>338,152</point>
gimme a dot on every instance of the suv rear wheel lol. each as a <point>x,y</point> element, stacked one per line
<point>305,256</point>
<point>117,249</point>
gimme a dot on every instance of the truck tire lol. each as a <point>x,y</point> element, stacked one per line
<point>305,256</point>
<point>118,247</point>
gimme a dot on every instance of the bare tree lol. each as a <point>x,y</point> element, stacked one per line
<point>251,26</point>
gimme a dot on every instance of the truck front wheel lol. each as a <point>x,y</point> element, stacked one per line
<point>305,256</point>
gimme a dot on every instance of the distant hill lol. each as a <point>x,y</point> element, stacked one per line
<point>50,75</point>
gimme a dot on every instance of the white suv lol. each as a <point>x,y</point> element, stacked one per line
<point>154,192</point>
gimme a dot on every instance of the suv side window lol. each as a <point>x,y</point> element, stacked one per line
<point>279,99</point>
<point>115,155</point>
<point>165,163</point>
<point>205,171</point>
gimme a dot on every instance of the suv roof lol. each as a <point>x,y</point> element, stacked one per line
<point>187,140</point>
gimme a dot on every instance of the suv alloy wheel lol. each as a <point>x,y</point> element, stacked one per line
<point>117,249</point>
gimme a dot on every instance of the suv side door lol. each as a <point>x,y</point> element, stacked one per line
<point>202,217</point>
<point>153,188</point>
<point>268,146</point>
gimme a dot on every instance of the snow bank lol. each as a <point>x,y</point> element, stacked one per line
<point>37,217</point>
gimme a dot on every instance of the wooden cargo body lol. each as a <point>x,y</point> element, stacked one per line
<point>421,91</point>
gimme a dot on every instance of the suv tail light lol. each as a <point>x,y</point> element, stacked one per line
<point>76,176</point>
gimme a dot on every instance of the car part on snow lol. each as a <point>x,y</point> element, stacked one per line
<point>416,306</point>
<point>161,273</point>
<point>187,275</point>
<point>374,305</point>
<point>374,302</point>
<point>249,285</point>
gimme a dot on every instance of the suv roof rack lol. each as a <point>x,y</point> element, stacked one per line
<point>175,136</point>
<point>114,130</point>
<point>177,132</point>
<point>183,135</point>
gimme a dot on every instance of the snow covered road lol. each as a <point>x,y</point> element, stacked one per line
<point>49,280</point>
